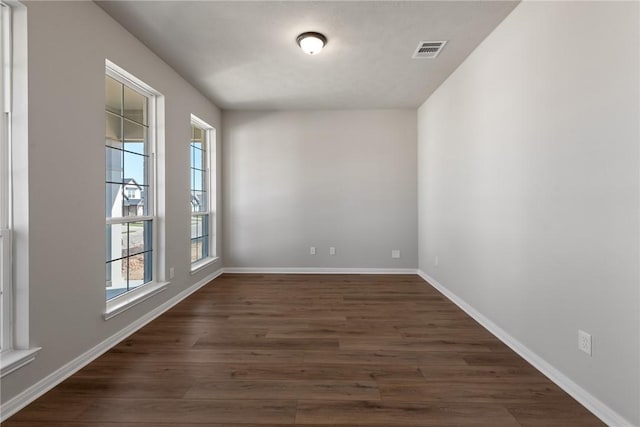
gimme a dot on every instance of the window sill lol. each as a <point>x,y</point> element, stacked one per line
<point>124,302</point>
<point>196,267</point>
<point>13,360</point>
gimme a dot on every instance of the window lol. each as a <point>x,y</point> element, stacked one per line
<point>202,193</point>
<point>15,349</point>
<point>130,183</point>
<point>6,294</point>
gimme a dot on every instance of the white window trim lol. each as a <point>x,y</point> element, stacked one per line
<point>129,299</point>
<point>16,351</point>
<point>210,135</point>
<point>123,302</point>
<point>13,360</point>
<point>199,265</point>
<point>6,291</point>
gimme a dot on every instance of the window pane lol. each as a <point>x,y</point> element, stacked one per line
<point>197,159</point>
<point>195,202</point>
<point>113,202</point>
<point>199,237</point>
<point>134,200</point>
<point>129,256</point>
<point>114,130</point>
<point>205,225</point>
<point>136,270</point>
<point>148,271</point>
<point>135,106</point>
<point>196,180</point>
<point>135,137</point>
<point>139,269</point>
<point>116,241</point>
<point>196,250</point>
<point>114,165</point>
<point>195,226</point>
<point>205,235</point>
<point>135,168</point>
<point>108,247</point>
<point>116,278</point>
<point>198,201</point>
<point>197,145</point>
<point>113,95</point>
<point>139,239</point>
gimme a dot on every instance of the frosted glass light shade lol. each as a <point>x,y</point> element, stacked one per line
<point>311,43</point>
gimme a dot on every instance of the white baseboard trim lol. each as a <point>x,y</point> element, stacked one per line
<point>7,409</point>
<point>317,270</point>
<point>593,404</point>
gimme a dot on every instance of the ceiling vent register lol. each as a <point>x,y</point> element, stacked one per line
<point>428,50</point>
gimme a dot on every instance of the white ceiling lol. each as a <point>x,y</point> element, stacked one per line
<point>243,55</point>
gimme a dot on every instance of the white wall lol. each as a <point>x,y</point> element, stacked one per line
<point>529,183</point>
<point>68,43</point>
<point>296,179</point>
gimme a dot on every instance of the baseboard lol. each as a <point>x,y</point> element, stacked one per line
<point>12,406</point>
<point>593,404</point>
<point>318,270</point>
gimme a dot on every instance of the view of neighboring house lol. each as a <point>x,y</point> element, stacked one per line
<point>132,198</point>
<point>197,201</point>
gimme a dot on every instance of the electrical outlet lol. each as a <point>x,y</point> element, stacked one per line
<point>332,250</point>
<point>436,261</point>
<point>172,273</point>
<point>584,342</point>
<point>312,250</point>
<point>395,253</point>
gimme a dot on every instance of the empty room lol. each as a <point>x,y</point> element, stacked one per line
<point>321,213</point>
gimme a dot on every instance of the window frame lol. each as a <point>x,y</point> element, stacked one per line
<point>210,142</point>
<point>6,285</point>
<point>128,299</point>
<point>15,349</point>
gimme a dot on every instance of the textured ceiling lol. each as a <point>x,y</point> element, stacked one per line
<point>243,55</point>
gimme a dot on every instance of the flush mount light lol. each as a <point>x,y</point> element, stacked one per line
<point>311,43</point>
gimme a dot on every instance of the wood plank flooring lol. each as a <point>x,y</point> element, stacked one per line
<point>315,350</point>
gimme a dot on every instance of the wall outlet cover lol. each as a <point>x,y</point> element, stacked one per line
<point>332,250</point>
<point>312,250</point>
<point>584,342</point>
<point>395,253</point>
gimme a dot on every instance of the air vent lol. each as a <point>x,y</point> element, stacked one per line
<point>428,50</point>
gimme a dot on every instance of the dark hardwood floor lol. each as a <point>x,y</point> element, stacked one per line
<point>322,350</point>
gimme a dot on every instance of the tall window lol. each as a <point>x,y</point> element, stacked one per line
<point>6,286</point>
<point>130,184</point>
<point>15,348</point>
<point>202,151</point>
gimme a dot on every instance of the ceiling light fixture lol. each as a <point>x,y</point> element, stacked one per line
<point>311,42</point>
